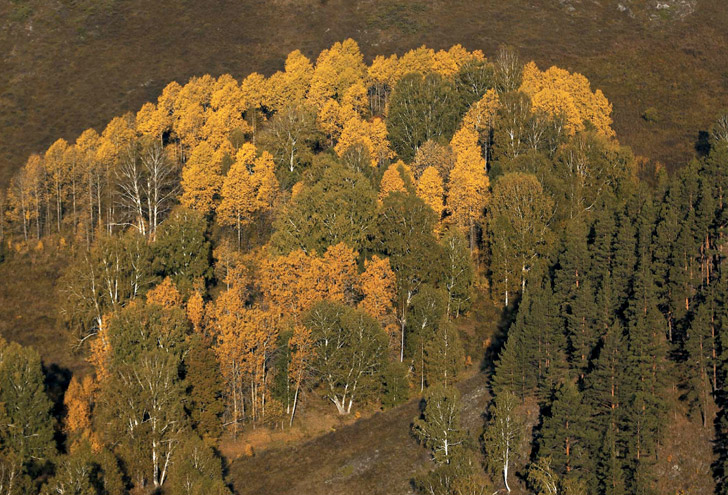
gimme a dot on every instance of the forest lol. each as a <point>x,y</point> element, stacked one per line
<point>328,239</point>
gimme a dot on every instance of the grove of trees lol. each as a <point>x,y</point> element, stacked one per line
<point>240,246</point>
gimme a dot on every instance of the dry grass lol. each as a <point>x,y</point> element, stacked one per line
<point>66,66</point>
<point>374,455</point>
<point>28,304</point>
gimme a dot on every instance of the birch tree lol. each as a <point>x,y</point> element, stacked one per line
<point>518,224</point>
<point>503,435</point>
<point>439,425</point>
<point>349,347</point>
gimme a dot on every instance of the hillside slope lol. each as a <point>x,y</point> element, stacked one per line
<point>376,455</point>
<point>66,66</point>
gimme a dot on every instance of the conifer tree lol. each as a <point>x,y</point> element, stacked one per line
<point>203,387</point>
<point>645,378</point>
<point>702,352</point>
<point>564,430</point>
<point>624,259</point>
<point>582,329</point>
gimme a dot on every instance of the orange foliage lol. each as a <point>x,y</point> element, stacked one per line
<point>101,351</point>
<point>165,294</point>
<point>468,184</point>
<point>392,181</point>
<point>202,179</point>
<point>371,135</point>
<point>79,399</point>
<point>196,311</point>
<point>481,114</point>
<point>293,283</point>
<point>558,91</point>
<point>431,191</point>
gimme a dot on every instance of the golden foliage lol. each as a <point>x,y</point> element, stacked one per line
<point>481,114</point>
<point>195,310</point>
<point>293,283</point>
<point>290,86</point>
<point>202,179</point>
<point>372,135</point>
<point>430,190</point>
<point>301,348</point>
<point>467,194</point>
<point>79,400</point>
<point>383,70</point>
<point>378,284</point>
<point>337,69</point>
<point>433,154</point>
<point>391,181</point>
<point>151,121</point>
<point>101,351</point>
<point>558,91</point>
<point>165,294</point>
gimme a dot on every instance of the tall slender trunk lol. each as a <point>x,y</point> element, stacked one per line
<point>295,402</point>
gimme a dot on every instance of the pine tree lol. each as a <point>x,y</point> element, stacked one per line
<point>204,387</point>
<point>582,329</point>
<point>645,374</point>
<point>610,471</point>
<point>564,430</point>
<point>515,371</point>
<point>701,366</point>
<point>624,259</point>
<point>604,386</point>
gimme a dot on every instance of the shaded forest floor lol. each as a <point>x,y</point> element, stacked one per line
<point>375,455</point>
<point>69,65</point>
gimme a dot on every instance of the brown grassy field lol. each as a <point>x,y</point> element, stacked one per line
<point>375,455</point>
<point>66,65</point>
